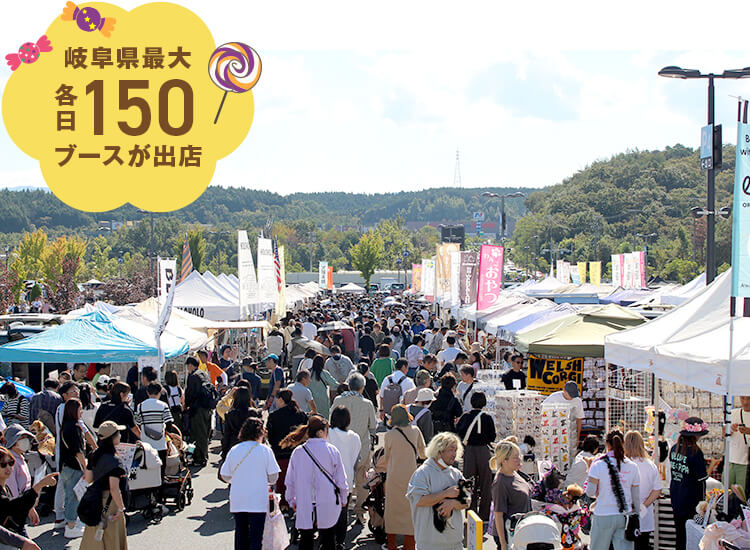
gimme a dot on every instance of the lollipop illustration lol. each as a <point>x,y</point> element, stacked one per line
<point>28,52</point>
<point>88,19</point>
<point>234,67</point>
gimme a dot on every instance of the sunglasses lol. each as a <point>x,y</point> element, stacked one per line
<point>10,463</point>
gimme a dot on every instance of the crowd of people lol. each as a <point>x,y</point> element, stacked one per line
<point>351,403</point>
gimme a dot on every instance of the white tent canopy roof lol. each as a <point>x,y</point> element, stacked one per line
<point>690,344</point>
<point>195,295</point>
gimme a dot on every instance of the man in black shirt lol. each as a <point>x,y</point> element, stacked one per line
<point>515,373</point>
<point>198,411</point>
<point>367,344</point>
<point>148,375</point>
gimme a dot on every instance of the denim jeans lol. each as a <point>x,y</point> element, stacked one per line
<point>69,477</point>
<point>248,530</point>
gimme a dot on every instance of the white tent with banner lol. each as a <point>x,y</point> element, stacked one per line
<point>195,295</point>
<point>690,344</point>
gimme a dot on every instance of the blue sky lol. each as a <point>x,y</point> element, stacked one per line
<point>377,98</point>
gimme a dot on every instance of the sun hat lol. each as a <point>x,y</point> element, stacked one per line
<point>108,429</point>
<point>694,426</point>
<point>424,395</point>
<point>475,347</point>
<point>13,433</point>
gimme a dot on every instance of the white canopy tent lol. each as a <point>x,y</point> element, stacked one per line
<point>351,287</point>
<point>195,295</point>
<point>690,344</point>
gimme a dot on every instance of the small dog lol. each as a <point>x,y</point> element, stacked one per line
<point>465,487</point>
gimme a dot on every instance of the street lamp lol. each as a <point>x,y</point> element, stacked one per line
<point>678,72</point>
<point>502,197</point>
<point>645,238</point>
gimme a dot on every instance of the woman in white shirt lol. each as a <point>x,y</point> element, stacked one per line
<point>613,481</point>
<point>250,468</point>
<point>349,445</point>
<point>650,486</point>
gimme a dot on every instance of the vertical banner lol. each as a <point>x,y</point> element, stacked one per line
<point>563,271</point>
<point>595,269</point>
<point>616,279</point>
<point>167,276</point>
<point>582,272</point>
<point>455,277</point>
<point>281,298</point>
<point>627,270</point>
<point>428,278</point>
<point>560,271</point>
<point>575,276</point>
<point>490,275</point>
<point>740,300</point>
<point>323,275</point>
<point>622,269</point>
<point>248,283</point>
<point>469,276</point>
<point>329,278</point>
<point>443,270</point>
<point>416,277</point>
<point>642,272</point>
<point>267,288</point>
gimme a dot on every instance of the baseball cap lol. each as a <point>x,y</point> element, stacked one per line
<point>102,381</point>
<point>571,388</point>
<point>108,429</point>
<point>271,356</point>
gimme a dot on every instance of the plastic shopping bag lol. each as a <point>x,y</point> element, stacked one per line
<point>275,534</point>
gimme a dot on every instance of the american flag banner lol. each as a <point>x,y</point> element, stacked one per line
<point>277,264</point>
<point>187,261</point>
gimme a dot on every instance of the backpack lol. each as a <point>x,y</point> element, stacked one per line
<point>391,395</point>
<point>209,395</point>
<point>266,378</point>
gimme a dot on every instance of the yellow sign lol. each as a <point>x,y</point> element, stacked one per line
<point>473,531</point>
<point>582,272</point>
<point>119,107</point>
<point>596,272</point>
<point>549,375</point>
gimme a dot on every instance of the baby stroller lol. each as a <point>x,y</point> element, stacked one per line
<point>375,501</point>
<point>534,531</point>
<point>145,483</point>
<point>177,489</point>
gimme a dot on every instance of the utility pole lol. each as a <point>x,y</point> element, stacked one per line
<point>457,172</point>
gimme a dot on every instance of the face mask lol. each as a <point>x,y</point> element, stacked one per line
<point>441,462</point>
<point>24,445</point>
<point>336,357</point>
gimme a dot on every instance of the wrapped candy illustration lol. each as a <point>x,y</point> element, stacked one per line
<point>28,52</point>
<point>88,19</point>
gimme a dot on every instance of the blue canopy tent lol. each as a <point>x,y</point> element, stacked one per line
<point>95,337</point>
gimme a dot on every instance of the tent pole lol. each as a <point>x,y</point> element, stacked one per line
<point>727,416</point>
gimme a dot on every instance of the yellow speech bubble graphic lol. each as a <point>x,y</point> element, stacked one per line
<point>129,117</point>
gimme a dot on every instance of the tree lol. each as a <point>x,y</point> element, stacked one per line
<point>64,252</point>
<point>367,255</point>
<point>64,294</point>
<point>7,294</point>
<point>29,258</point>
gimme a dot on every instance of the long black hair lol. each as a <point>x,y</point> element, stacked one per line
<point>615,440</point>
<point>105,446</point>
<point>317,366</point>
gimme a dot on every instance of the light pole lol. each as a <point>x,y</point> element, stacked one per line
<point>645,238</point>
<point>502,197</point>
<point>678,72</point>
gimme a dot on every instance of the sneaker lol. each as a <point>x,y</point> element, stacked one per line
<point>59,523</point>
<point>74,532</point>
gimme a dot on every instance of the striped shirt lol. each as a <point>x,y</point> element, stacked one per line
<point>18,405</point>
<point>154,415</point>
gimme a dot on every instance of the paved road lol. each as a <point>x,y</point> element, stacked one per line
<point>206,521</point>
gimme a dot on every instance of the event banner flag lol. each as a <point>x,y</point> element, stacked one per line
<point>575,276</point>
<point>549,375</point>
<point>281,298</point>
<point>443,270</point>
<point>323,275</point>
<point>428,278</point>
<point>267,287</point>
<point>582,272</point>
<point>329,278</point>
<point>455,277</point>
<point>490,275</point>
<point>595,270</point>
<point>563,272</point>
<point>616,270</point>
<point>560,271</point>
<point>469,275</point>
<point>167,276</point>
<point>629,271</point>
<point>740,300</point>
<point>416,277</point>
<point>248,282</point>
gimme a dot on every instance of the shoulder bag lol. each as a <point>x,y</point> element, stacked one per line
<point>336,489</point>
<point>413,447</point>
